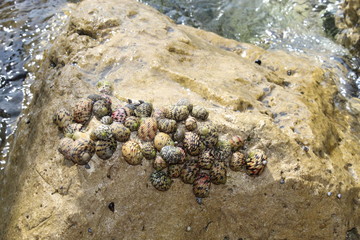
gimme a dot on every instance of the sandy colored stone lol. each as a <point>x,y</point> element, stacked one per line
<point>288,107</point>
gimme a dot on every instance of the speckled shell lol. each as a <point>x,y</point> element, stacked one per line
<point>190,124</point>
<point>62,118</point>
<point>105,149</point>
<point>65,148</point>
<point>120,132</point>
<point>102,132</point>
<point>199,113</point>
<point>201,186</point>
<point>144,110</point>
<point>82,151</point>
<point>222,150</point>
<point>82,110</point>
<point>179,134</point>
<point>172,155</point>
<point>179,113</point>
<point>161,140</point>
<point>218,173</point>
<point>192,143</point>
<point>131,152</point>
<point>107,120</point>
<point>148,150</point>
<point>105,87</point>
<point>185,102</point>
<point>101,108</point>
<point>147,129</point>
<point>208,134</point>
<point>189,172</point>
<point>206,159</point>
<point>255,162</point>
<point>159,163</point>
<point>236,143</point>
<point>132,123</point>
<point>166,125</point>
<point>120,114</point>
<point>158,113</point>
<point>160,180</point>
<point>237,161</point>
<point>174,170</point>
<point>71,129</point>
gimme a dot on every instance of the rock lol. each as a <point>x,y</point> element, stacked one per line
<point>294,119</point>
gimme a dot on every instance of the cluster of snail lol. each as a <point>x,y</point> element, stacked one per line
<point>178,139</point>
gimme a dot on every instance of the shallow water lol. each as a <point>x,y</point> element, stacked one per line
<point>26,27</point>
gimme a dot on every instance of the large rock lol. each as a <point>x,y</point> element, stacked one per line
<point>289,106</point>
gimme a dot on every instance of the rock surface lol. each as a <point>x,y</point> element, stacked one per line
<point>288,106</point>
<point>349,24</point>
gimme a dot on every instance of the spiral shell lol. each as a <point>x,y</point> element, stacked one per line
<point>159,113</point>
<point>190,124</point>
<point>255,162</point>
<point>179,113</point>
<point>208,134</point>
<point>148,150</point>
<point>65,148</point>
<point>179,134</point>
<point>131,152</point>
<point>172,155</point>
<point>102,132</point>
<point>185,102</point>
<point>144,110</point>
<point>79,151</point>
<point>160,180</point>
<point>206,159</point>
<point>105,87</point>
<point>174,170</point>
<point>120,114</point>
<point>71,129</point>
<point>237,161</point>
<point>147,129</point>
<point>189,172</point>
<point>105,149</point>
<point>201,186</point>
<point>62,118</point>
<point>218,173</point>
<point>236,143</point>
<point>82,110</point>
<point>161,140</point>
<point>101,108</point>
<point>107,120</point>
<point>132,123</point>
<point>200,113</point>
<point>222,150</point>
<point>120,132</point>
<point>192,143</point>
<point>166,125</point>
<point>159,163</point>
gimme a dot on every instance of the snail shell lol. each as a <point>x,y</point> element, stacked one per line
<point>161,140</point>
<point>206,159</point>
<point>120,132</point>
<point>148,150</point>
<point>190,124</point>
<point>131,152</point>
<point>255,162</point>
<point>179,113</point>
<point>222,150</point>
<point>62,118</point>
<point>201,186</point>
<point>173,155</point>
<point>107,120</point>
<point>208,134</point>
<point>185,102</point>
<point>101,108</point>
<point>82,110</point>
<point>159,163</point>
<point>218,173</point>
<point>105,87</point>
<point>174,170</point>
<point>160,180</point>
<point>79,151</point>
<point>102,132</point>
<point>71,129</point>
<point>65,148</point>
<point>236,143</point>
<point>105,149</point>
<point>237,161</point>
<point>200,113</point>
<point>192,143</point>
<point>147,129</point>
<point>166,125</point>
<point>179,134</point>
<point>132,123</point>
<point>120,114</point>
<point>189,172</point>
<point>144,110</point>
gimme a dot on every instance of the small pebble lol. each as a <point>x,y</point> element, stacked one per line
<point>90,230</point>
<point>258,61</point>
<point>305,148</point>
<point>329,194</point>
<point>289,72</point>
<point>339,196</point>
<point>199,200</point>
<point>112,206</point>
<point>87,166</point>
<point>188,228</point>
<point>282,180</point>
